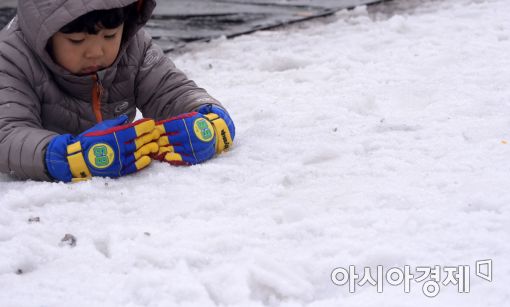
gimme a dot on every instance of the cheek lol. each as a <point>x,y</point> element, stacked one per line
<point>113,50</point>
<point>64,55</point>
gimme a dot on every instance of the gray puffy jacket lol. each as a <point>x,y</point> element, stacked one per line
<point>39,99</point>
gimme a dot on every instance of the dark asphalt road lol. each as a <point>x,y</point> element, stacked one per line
<point>176,22</point>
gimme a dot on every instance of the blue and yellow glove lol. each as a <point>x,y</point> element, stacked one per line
<point>109,149</point>
<point>194,137</point>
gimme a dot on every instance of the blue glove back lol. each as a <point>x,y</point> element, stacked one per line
<point>186,139</point>
<point>109,149</point>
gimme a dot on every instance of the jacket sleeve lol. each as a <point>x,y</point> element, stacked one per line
<point>162,90</point>
<point>23,140</point>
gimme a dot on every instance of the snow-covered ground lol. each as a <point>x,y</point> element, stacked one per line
<point>362,139</point>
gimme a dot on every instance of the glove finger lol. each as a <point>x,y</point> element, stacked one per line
<point>149,137</point>
<point>163,141</point>
<point>164,138</point>
<point>191,136</point>
<point>133,145</point>
<point>146,150</point>
<point>139,164</point>
<point>196,156</point>
<point>131,132</point>
<point>175,131</point>
<point>175,159</point>
<point>162,151</point>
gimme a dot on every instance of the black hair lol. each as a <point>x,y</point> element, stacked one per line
<point>94,21</point>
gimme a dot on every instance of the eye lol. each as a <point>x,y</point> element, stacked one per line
<point>76,41</point>
<point>110,36</point>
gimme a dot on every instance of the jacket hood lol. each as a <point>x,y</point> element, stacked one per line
<point>40,19</point>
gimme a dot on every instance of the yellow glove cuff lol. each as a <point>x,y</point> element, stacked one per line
<point>77,164</point>
<point>223,137</point>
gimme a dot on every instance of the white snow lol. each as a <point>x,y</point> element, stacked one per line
<point>362,139</point>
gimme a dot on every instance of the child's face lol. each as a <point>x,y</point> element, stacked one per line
<point>82,53</point>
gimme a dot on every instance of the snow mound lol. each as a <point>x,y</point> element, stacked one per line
<point>363,139</point>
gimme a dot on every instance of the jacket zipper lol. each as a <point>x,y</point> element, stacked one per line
<point>97,89</point>
<point>97,92</point>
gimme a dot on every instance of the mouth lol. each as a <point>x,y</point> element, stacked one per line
<point>90,70</point>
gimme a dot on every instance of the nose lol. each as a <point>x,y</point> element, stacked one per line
<point>94,51</point>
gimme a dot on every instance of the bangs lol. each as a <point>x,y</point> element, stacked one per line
<point>94,21</point>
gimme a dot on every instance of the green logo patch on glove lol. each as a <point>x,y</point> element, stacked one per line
<point>101,155</point>
<point>203,130</point>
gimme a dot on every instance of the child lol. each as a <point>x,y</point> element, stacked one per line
<point>73,73</point>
